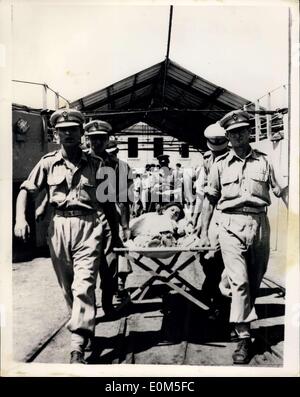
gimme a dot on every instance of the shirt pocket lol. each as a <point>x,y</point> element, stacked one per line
<point>87,189</point>
<point>57,188</point>
<point>230,185</point>
<point>259,186</point>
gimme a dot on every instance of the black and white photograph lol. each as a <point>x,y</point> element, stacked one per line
<point>150,167</point>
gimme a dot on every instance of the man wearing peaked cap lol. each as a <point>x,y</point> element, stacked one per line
<point>161,189</point>
<point>97,132</point>
<point>124,188</point>
<point>112,147</point>
<point>235,119</point>
<point>76,230</point>
<point>163,157</point>
<point>97,127</point>
<point>211,262</point>
<point>216,138</point>
<point>163,160</point>
<point>116,210</point>
<point>238,186</point>
<point>66,118</point>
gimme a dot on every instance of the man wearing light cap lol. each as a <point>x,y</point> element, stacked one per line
<point>218,145</point>
<point>97,132</point>
<point>116,207</point>
<point>161,188</point>
<point>76,228</point>
<point>163,160</point>
<point>238,185</point>
<point>125,186</point>
<point>211,262</point>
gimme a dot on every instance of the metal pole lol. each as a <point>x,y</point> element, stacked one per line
<point>269,117</point>
<point>56,100</point>
<point>45,96</point>
<point>257,122</point>
<point>285,117</point>
<point>289,94</point>
<point>167,57</point>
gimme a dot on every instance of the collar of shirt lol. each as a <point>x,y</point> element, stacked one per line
<point>105,159</point>
<point>233,156</point>
<point>59,157</point>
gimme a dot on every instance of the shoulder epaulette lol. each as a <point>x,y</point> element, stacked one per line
<point>259,152</point>
<point>223,156</point>
<point>50,154</point>
<point>92,155</point>
<point>207,154</point>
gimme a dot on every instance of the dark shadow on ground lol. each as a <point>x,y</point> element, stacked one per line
<point>278,292</point>
<point>265,337</point>
<point>269,310</point>
<point>183,321</point>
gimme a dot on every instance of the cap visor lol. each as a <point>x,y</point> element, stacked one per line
<point>216,135</point>
<point>67,124</point>
<point>216,148</point>
<point>237,125</point>
<point>103,133</point>
<point>111,150</point>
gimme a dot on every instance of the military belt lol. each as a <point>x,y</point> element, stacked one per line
<point>70,213</point>
<point>246,210</point>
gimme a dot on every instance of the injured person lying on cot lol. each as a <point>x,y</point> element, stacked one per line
<point>169,228</point>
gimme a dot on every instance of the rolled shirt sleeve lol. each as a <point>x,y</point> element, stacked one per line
<point>201,181</point>
<point>37,179</point>
<point>213,187</point>
<point>277,182</point>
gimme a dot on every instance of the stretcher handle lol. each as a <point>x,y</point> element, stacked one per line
<point>166,249</point>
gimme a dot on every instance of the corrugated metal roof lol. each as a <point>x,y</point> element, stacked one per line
<point>190,103</point>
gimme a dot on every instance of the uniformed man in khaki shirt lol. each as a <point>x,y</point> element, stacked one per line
<point>212,262</point>
<point>76,228</point>
<point>238,185</point>
<point>116,175</point>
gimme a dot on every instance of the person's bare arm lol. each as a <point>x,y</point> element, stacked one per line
<point>207,212</point>
<point>279,185</point>
<point>40,212</point>
<point>21,229</point>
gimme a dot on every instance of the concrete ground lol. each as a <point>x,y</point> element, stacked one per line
<point>39,306</point>
<point>138,337</point>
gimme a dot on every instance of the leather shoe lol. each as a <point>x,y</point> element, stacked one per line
<point>110,314</point>
<point>77,357</point>
<point>214,314</point>
<point>234,336</point>
<point>243,352</point>
<point>90,344</point>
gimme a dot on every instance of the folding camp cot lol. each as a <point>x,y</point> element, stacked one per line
<point>155,266</point>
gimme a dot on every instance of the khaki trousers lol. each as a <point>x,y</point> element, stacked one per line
<point>108,268</point>
<point>75,247</point>
<point>245,247</point>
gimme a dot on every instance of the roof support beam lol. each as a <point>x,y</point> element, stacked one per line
<point>109,98</point>
<point>180,97</point>
<point>81,103</point>
<point>197,93</point>
<point>167,58</point>
<point>121,94</point>
<point>186,88</point>
<point>133,92</point>
<point>212,98</point>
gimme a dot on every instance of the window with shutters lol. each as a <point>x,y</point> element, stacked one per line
<point>184,151</point>
<point>133,147</point>
<point>158,146</point>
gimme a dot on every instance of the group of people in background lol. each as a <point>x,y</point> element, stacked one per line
<point>225,199</point>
